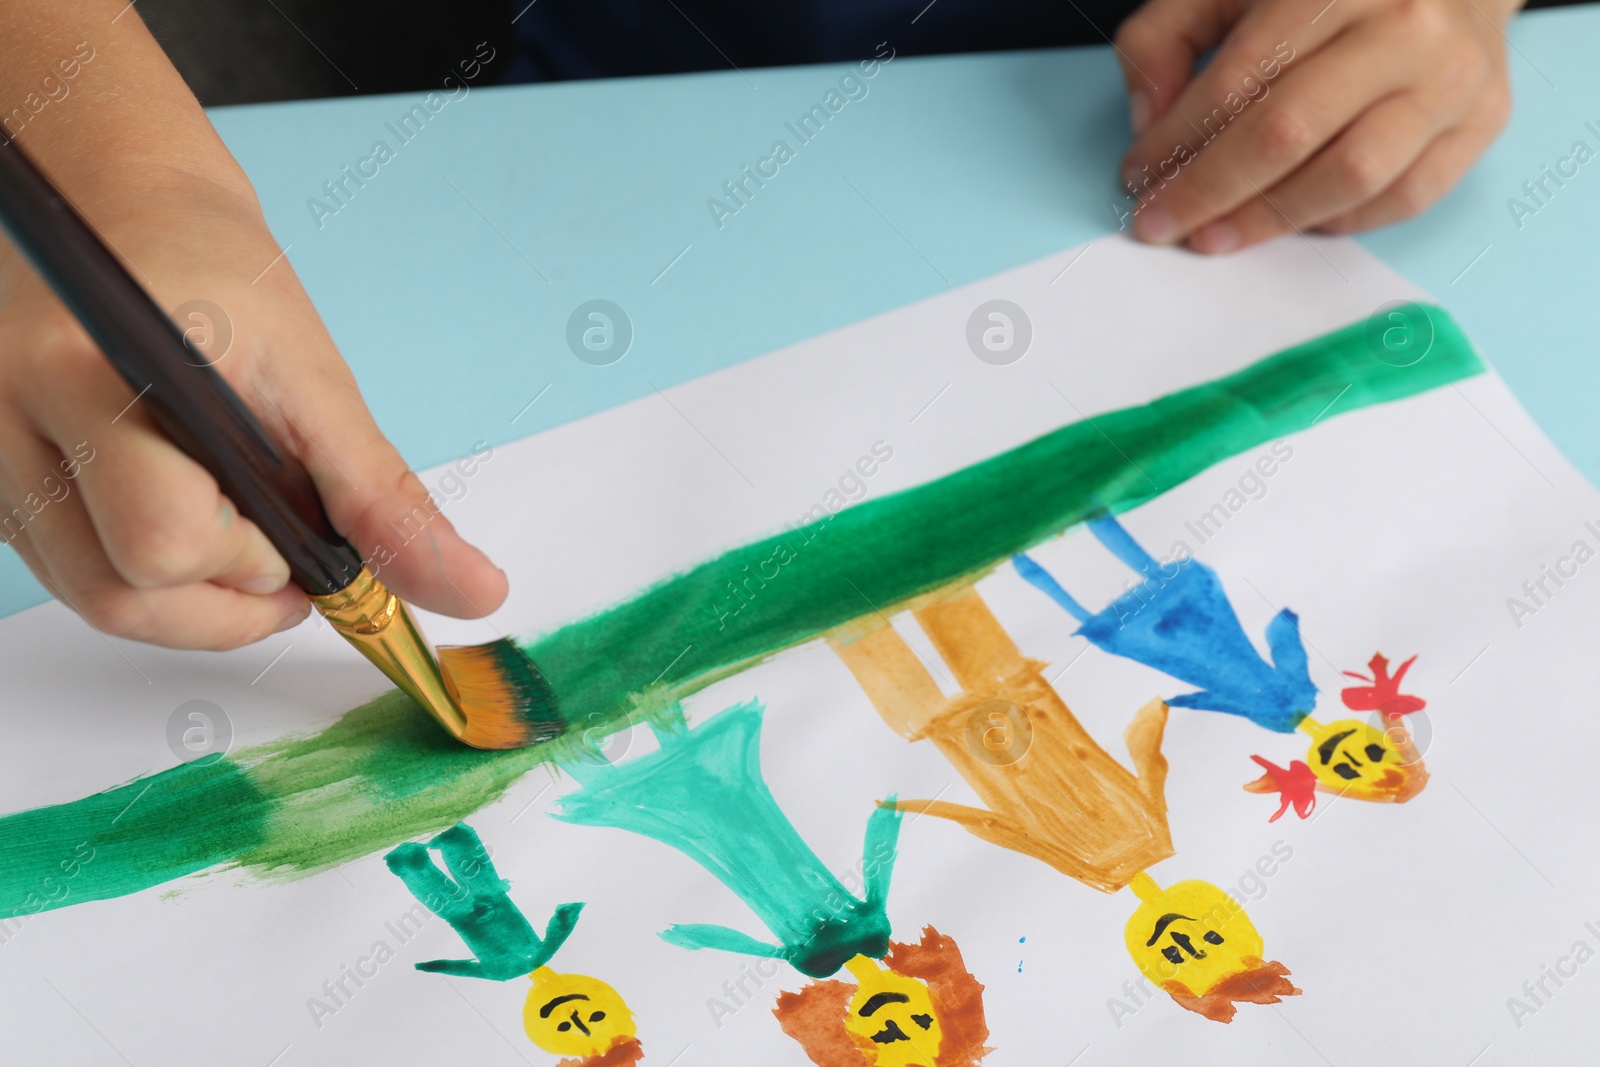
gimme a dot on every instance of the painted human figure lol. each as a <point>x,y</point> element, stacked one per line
<point>1050,791</point>
<point>702,792</point>
<point>574,1016</point>
<point>1350,757</point>
<point>1178,620</point>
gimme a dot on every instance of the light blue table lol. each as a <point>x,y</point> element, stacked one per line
<point>448,278</point>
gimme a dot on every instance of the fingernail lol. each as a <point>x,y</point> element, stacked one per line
<point>1215,239</point>
<point>1139,112</point>
<point>1157,227</point>
<point>291,620</point>
<point>265,584</point>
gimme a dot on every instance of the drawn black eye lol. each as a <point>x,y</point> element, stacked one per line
<point>1375,753</point>
<point>1212,938</point>
<point>924,1021</point>
<point>1172,953</point>
<point>564,1027</point>
<point>1345,771</point>
<point>598,1016</point>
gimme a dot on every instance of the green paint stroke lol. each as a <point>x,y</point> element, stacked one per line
<point>476,902</point>
<point>127,838</point>
<point>384,773</point>
<point>703,794</point>
<point>673,638</point>
<point>379,775</point>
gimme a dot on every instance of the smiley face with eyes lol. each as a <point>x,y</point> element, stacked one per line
<point>1196,943</point>
<point>1193,933</point>
<point>917,1007</point>
<point>892,1018</point>
<point>1354,759</point>
<point>575,1015</point>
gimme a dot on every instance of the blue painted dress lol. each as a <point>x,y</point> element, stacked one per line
<point>1179,621</point>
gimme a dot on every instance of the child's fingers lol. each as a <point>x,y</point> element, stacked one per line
<point>63,549</point>
<point>1360,164</point>
<point>370,492</point>
<point>1435,171</point>
<point>1158,45</point>
<point>159,515</point>
<point>1269,41</point>
<point>1275,135</point>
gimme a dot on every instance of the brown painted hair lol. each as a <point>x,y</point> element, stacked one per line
<point>1263,983</point>
<point>626,1052</point>
<point>815,1016</point>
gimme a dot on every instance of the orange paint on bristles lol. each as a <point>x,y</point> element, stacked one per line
<point>506,701</point>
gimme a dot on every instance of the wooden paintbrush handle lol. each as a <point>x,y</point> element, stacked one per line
<point>185,395</point>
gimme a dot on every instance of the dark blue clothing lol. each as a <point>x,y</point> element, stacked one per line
<point>559,39</point>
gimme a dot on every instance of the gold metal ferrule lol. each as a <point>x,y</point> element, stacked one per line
<point>378,623</point>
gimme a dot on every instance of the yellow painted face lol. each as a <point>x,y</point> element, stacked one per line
<point>1353,758</point>
<point>574,1015</point>
<point>1192,933</point>
<point>892,1019</point>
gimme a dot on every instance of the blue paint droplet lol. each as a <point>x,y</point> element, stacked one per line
<point>1021,941</point>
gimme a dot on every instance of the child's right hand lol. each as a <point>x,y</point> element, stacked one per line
<point>108,512</point>
<point>121,525</point>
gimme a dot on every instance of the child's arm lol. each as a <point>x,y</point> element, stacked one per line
<point>110,516</point>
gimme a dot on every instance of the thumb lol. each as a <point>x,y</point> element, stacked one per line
<point>1158,45</point>
<point>374,498</point>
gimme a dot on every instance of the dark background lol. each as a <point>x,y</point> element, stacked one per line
<point>249,51</point>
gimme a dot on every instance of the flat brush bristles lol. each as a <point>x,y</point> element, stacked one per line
<point>506,701</point>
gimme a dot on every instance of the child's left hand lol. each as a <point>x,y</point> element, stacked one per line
<point>1381,107</point>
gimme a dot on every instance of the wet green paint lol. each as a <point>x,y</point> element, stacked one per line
<point>384,773</point>
<point>476,902</point>
<point>287,808</point>
<point>674,637</point>
<point>377,776</point>
<point>128,838</point>
<point>702,793</point>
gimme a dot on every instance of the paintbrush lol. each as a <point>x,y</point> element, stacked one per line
<point>488,696</point>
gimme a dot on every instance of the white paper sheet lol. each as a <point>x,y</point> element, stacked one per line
<point>1403,527</point>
